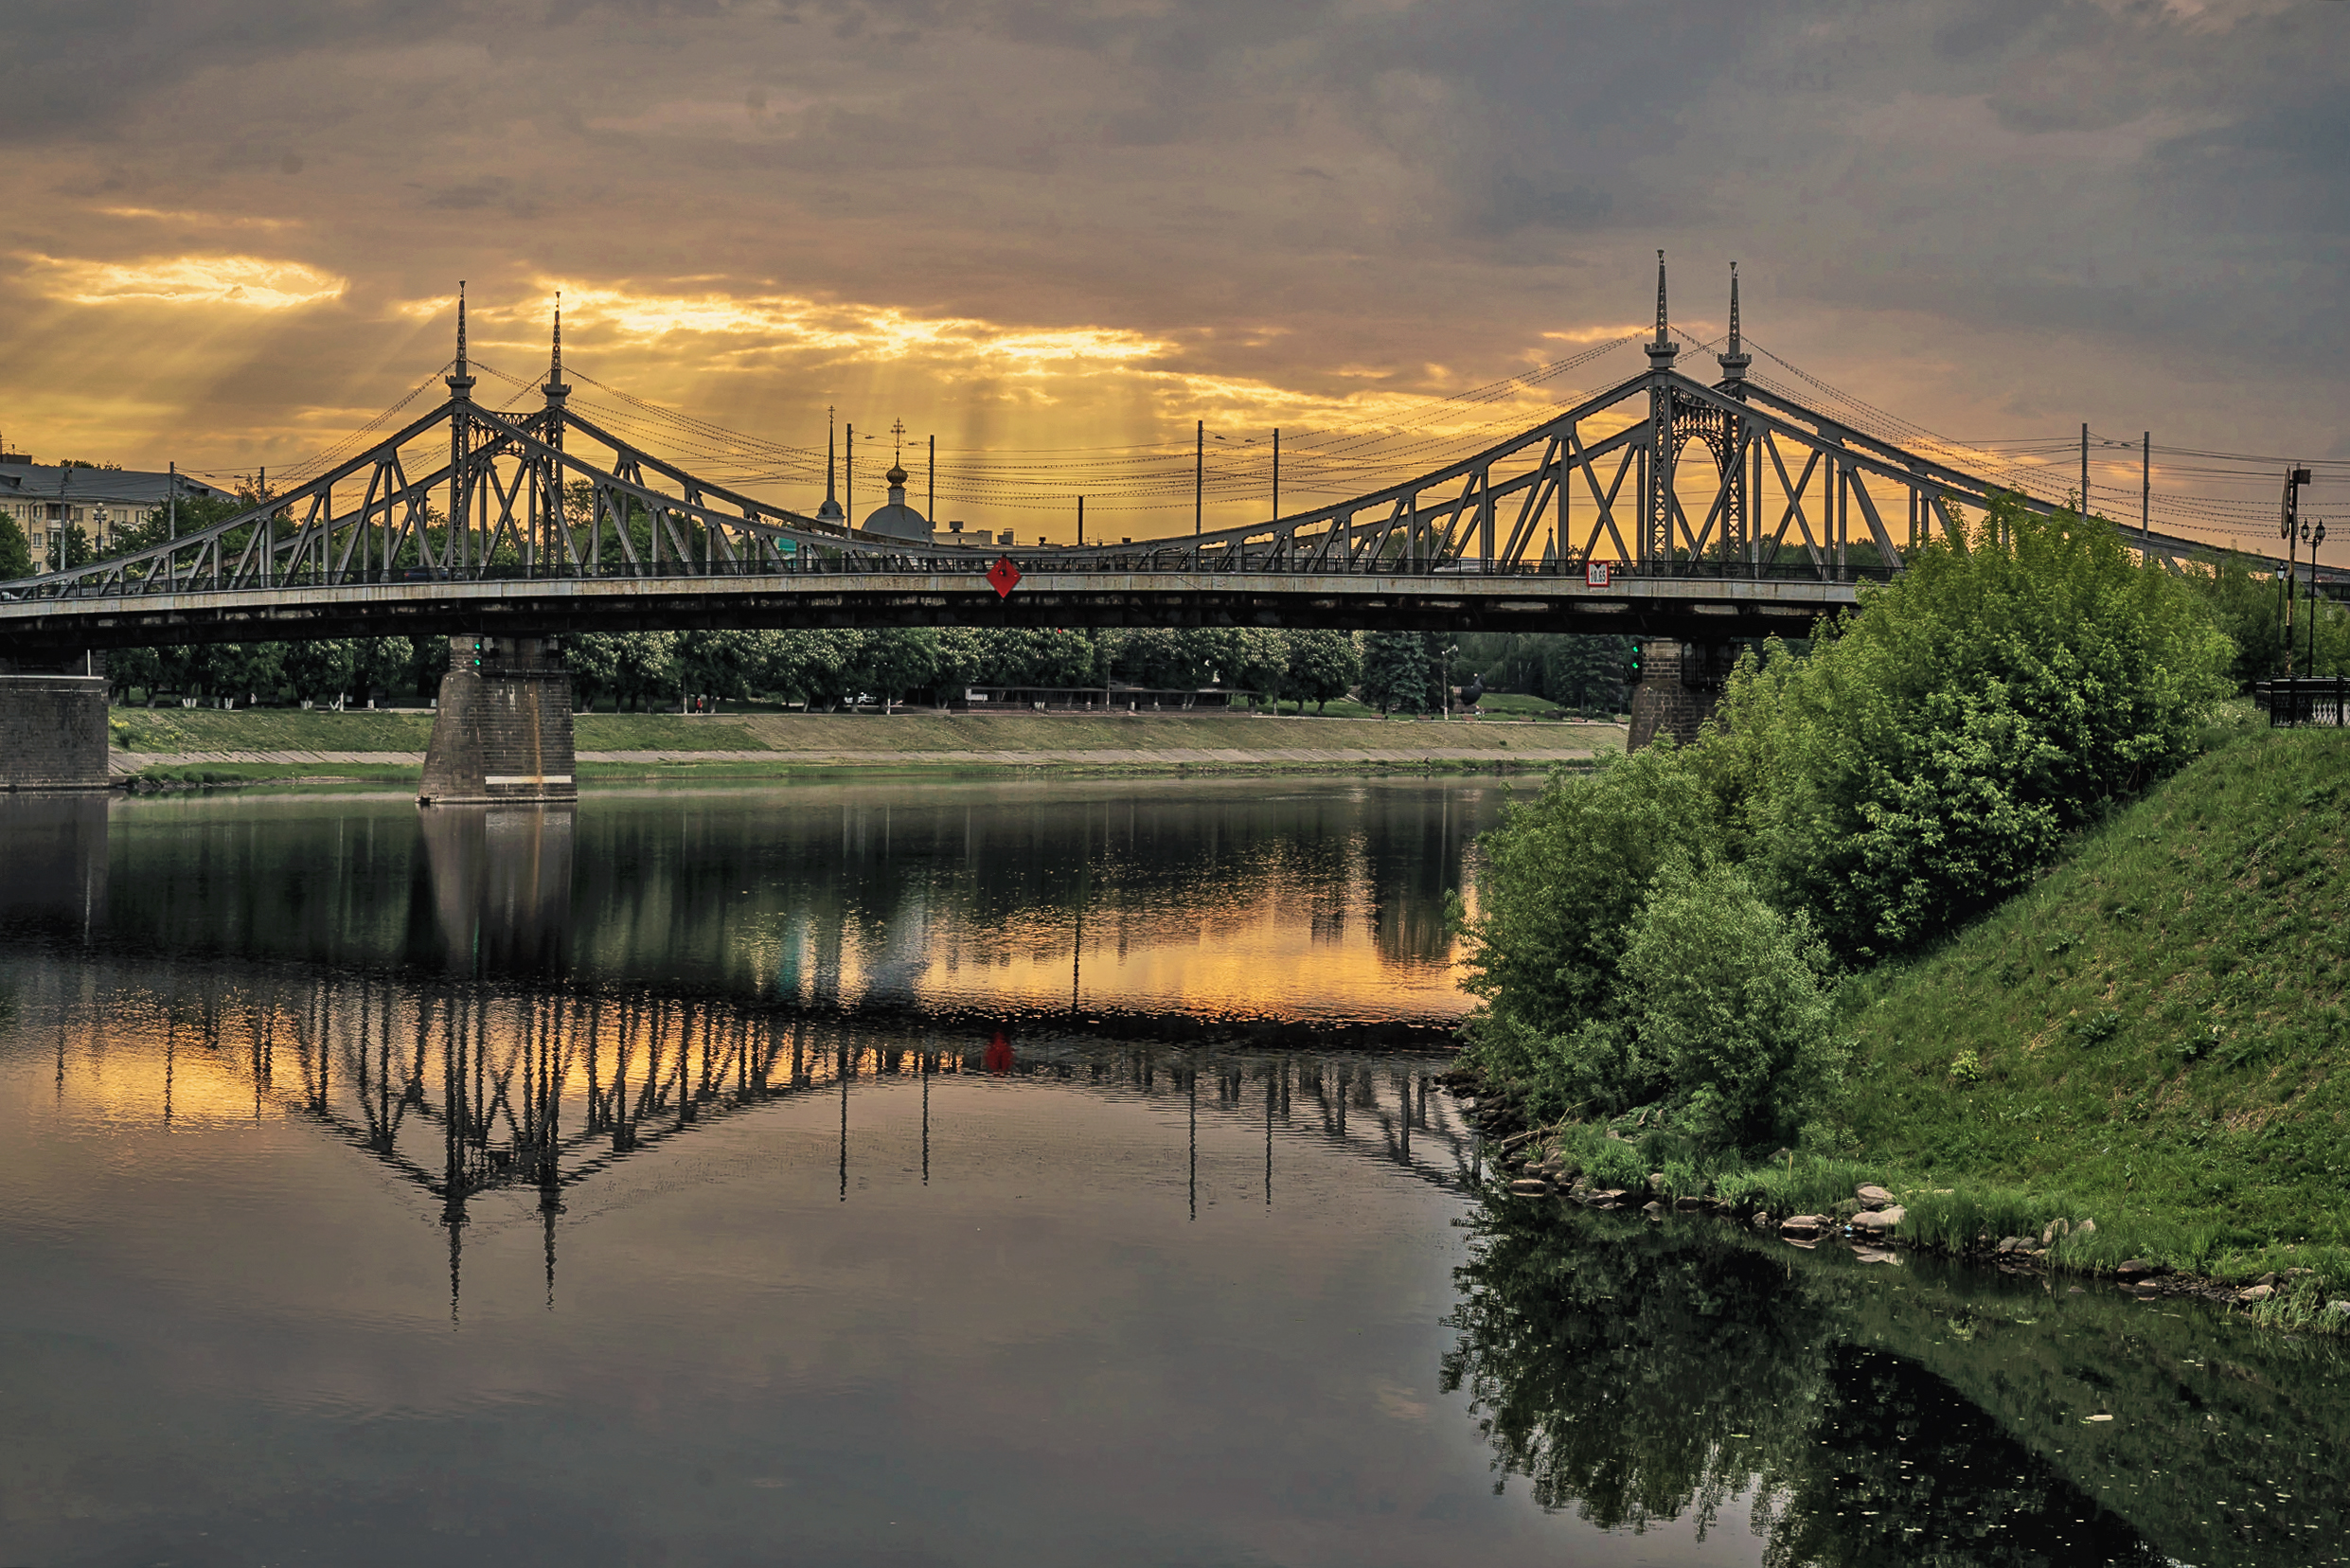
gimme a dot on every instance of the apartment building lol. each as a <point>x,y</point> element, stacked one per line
<point>46,500</point>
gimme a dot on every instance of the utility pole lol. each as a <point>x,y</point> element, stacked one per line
<point>2084,506</point>
<point>171,503</point>
<point>1199,487</point>
<point>932,481</point>
<point>1276,473</point>
<point>1080,522</point>
<point>848,478</point>
<point>2146,490</point>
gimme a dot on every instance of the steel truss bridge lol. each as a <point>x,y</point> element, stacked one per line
<point>1780,513</point>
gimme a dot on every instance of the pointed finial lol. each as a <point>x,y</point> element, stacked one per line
<point>830,511</point>
<point>555,390</point>
<point>461,383</point>
<point>1660,300</point>
<point>1661,353</point>
<point>1733,364</point>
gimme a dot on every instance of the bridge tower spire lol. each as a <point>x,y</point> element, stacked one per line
<point>460,380</point>
<point>455,549</point>
<point>551,502</point>
<point>1740,474</point>
<point>1662,352</point>
<point>1733,364</point>
<point>1653,550</point>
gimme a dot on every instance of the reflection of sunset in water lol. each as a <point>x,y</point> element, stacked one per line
<point>1313,901</point>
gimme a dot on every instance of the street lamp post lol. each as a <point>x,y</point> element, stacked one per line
<point>2315,539</point>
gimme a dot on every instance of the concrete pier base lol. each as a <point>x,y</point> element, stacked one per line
<point>1676,694</point>
<point>502,732</point>
<point>53,724</point>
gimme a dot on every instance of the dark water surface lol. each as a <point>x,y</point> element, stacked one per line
<point>956,1174</point>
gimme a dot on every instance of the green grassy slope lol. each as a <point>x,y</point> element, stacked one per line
<point>2156,1031</point>
<point>913,732</point>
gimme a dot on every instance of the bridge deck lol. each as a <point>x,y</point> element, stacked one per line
<point>1696,608</point>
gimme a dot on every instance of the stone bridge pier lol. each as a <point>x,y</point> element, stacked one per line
<point>1679,684</point>
<point>53,723</point>
<point>502,732</point>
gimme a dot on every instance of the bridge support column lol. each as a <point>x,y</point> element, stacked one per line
<point>503,730</point>
<point>53,723</point>
<point>1676,694</point>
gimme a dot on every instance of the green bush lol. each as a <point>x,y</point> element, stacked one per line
<point>1928,757</point>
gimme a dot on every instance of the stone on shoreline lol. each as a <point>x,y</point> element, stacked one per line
<point>1530,1187</point>
<point>1874,1196</point>
<point>1802,1224</point>
<point>2135,1268</point>
<point>1881,1220</point>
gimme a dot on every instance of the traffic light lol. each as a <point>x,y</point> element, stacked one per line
<point>479,645</point>
<point>1632,668</point>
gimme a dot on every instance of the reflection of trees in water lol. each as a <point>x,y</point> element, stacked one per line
<point>1640,1374</point>
<point>826,895</point>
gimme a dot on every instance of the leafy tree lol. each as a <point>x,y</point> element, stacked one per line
<point>894,661</point>
<point>378,663</point>
<point>428,661</point>
<point>1930,755</point>
<point>1322,665</point>
<point>129,668</point>
<point>811,667</point>
<point>723,664</point>
<point>195,512</point>
<point>1586,671</point>
<point>1566,875</point>
<point>594,661</point>
<point>1395,671</point>
<point>15,551</point>
<point>320,671</point>
<point>1726,1010</point>
<point>1168,660</point>
<point>2247,600</point>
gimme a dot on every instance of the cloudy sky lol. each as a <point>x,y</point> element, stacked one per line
<point>1028,226</point>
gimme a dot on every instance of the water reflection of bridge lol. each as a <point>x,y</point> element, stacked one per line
<point>464,1089</point>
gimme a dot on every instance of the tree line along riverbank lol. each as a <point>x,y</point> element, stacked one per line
<point>1999,906</point>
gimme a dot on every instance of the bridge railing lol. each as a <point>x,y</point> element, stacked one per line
<point>1779,564</point>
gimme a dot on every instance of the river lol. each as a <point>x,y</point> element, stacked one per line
<point>950,1173</point>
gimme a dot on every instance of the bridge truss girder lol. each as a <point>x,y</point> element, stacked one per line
<point>366,547</point>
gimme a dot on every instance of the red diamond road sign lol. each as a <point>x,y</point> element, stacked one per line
<point>1002,577</point>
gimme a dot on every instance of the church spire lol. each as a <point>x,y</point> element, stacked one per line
<point>1662,352</point>
<point>830,511</point>
<point>1733,364</point>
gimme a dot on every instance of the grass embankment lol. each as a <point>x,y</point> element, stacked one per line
<point>218,747</point>
<point>2154,1037</point>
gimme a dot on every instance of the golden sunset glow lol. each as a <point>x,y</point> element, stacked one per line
<point>250,282</point>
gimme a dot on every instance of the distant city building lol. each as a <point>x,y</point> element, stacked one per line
<point>46,500</point>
